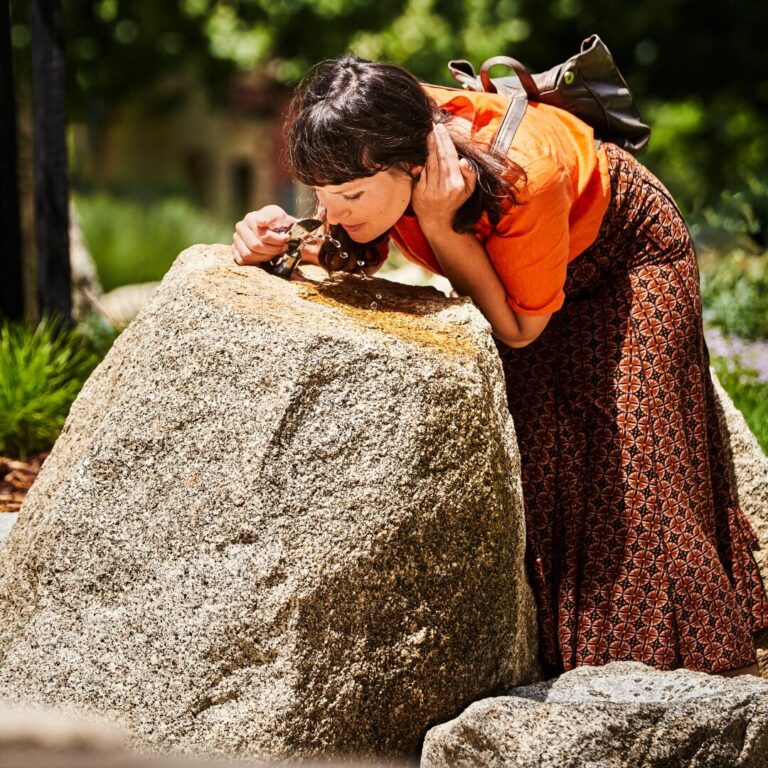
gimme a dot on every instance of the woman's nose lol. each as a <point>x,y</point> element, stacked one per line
<point>335,213</point>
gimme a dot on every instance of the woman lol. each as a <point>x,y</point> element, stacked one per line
<point>583,266</point>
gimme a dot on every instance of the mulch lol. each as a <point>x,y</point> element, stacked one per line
<point>16,478</point>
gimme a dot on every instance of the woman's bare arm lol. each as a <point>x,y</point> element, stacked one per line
<point>466,264</point>
<point>444,184</point>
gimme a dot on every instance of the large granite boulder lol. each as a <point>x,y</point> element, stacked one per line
<point>279,521</point>
<point>750,470</point>
<point>622,714</point>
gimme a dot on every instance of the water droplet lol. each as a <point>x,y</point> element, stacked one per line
<point>333,241</point>
<point>378,297</point>
<point>374,305</point>
<point>360,263</point>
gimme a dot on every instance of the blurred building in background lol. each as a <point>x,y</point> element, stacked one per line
<point>225,156</point>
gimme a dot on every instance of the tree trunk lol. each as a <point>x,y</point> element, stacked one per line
<point>11,284</point>
<point>50,147</point>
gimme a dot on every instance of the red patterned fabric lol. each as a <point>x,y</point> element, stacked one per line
<point>636,547</point>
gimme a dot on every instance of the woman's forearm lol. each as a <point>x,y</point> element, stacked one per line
<point>466,264</point>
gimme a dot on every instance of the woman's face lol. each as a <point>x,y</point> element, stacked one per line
<point>369,206</point>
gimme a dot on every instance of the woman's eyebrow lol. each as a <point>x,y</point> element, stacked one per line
<point>344,192</point>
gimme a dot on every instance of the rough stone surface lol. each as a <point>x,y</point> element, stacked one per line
<point>623,714</point>
<point>750,470</point>
<point>7,521</point>
<point>277,523</point>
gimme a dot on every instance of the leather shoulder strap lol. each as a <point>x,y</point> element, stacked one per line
<point>509,124</point>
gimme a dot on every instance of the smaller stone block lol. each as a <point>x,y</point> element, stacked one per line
<point>622,714</point>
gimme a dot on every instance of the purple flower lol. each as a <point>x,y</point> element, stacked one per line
<point>747,354</point>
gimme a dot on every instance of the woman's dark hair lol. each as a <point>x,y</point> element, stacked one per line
<point>350,118</point>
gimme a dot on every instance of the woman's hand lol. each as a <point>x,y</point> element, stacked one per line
<point>255,239</point>
<point>445,184</point>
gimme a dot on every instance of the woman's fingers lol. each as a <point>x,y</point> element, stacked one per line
<point>450,175</point>
<point>257,245</point>
<point>256,240</point>
<point>442,159</point>
<point>268,217</point>
<point>445,146</point>
<point>469,174</point>
<point>272,238</point>
<point>254,235</point>
<point>241,249</point>
<point>445,182</point>
<point>247,235</point>
<point>255,254</point>
<point>431,173</point>
<point>420,187</point>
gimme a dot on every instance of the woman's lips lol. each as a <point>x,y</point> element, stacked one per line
<point>352,227</point>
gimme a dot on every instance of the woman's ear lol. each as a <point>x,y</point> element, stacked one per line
<point>414,171</point>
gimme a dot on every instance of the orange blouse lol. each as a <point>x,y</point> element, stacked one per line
<point>562,201</point>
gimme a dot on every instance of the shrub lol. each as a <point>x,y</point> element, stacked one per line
<point>41,371</point>
<point>734,292</point>
<point>731,239</point>
<point>133,242</point>
<point>98,332</point>
<point>749,395</point>
<point>700,148</point>
<point>743,213</point>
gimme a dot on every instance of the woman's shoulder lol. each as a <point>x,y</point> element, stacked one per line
<point>482,109</point>
<point>547,140</point>
<point>550,144</point>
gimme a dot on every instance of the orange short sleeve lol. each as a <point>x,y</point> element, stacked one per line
<point>561,203</point>
<point>529,248</point>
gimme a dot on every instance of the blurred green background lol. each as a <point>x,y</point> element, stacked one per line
<point>175,111</point>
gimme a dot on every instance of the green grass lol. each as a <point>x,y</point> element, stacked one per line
<point>41,371</point>
<point>734,292</point>
<point>98,333</point>
<point>133,242</point>
<point>749,395</point>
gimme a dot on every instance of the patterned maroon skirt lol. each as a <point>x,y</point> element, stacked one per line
<point>636,547</point>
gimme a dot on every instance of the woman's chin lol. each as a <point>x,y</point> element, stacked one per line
<point>364,235</point>
<point>358,234</point>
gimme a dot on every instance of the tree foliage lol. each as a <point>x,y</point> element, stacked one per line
<point>705,60</point>
<point>671,49</point>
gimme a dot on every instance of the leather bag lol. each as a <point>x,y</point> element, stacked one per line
<point>587,84</point>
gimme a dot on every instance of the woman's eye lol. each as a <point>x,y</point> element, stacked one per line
<point>353,197</point>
